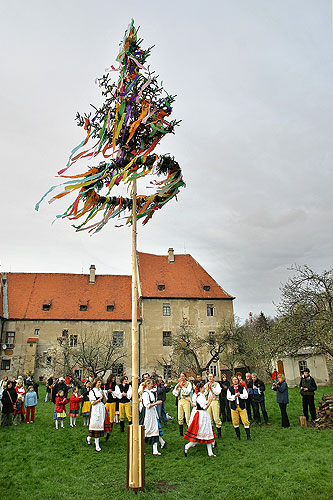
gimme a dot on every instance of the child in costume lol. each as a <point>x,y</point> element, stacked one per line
<point>149,418</point>
<point>18,412</point>
<point>74,404</point>
<point>60,409</point>
<point>200,429</point>
<point>30,405</point>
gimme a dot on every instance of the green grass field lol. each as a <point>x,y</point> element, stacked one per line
<point>40,463</point>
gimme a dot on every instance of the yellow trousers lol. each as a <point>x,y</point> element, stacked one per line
<point>184,407</point>
<point>235,414</point>
<point>111,409</point>
<point>125,408</point>
<point>214,413</point>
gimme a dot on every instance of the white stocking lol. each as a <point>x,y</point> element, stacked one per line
<point>161,440</point>
<point>62,423</point>
<point>210,450</point>
<point>155,450</point>
<point>97,444</point>
<point>70,421</point>
<point>189,445</point>
<point>74,421</point>
<point>88,439</point>
<point>56,424</point>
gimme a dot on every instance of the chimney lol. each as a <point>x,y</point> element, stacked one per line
<point>171,256</point>
<point>92,276</point>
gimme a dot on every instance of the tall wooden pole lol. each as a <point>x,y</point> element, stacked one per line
<point>134,455</point>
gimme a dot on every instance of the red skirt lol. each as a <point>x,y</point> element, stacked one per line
<point>107,423</point>
<point>193,429</point>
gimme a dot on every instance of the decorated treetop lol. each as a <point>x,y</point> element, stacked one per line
<point>125,130</point>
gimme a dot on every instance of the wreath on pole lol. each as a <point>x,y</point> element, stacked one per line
<point>125,130</point>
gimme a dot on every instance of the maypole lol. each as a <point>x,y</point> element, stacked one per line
<point>125,131</point>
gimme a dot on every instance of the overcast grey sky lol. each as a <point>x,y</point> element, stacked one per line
<point>254,81</point>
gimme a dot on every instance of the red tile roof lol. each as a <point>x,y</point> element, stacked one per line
<point>184,278</point>
<point>27,292</point>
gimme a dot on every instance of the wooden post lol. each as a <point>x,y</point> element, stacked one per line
<point>135,464</point>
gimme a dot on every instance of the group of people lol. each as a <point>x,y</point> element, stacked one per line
<point>18,401</point>
<point>200,403</point>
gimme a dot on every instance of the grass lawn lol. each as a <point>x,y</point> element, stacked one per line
<point>40,463</point>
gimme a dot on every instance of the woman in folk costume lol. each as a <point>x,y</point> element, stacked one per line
<point>214,389</point>
<point>86,405</point>
<point>97,423</point>
<point>237,395</point>
<point>125,396</point>
<point>181,391</point>
<point>200,429</point>
<point>149,418</point>
<point>112,393</point>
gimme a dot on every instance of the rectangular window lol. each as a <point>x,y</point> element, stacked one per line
<point>210,310</point>
<point>110,308</point>
<point>206,288</point>
<point>78,374</point>
<point>167,338</point>
<point>161,287</point>
<point>65,333</point>
<point>37,330</point>
<point>213,370</point>
<point>212,338</point>
<point>73,340</point>
<point>118,339</point>
<point>5,364</point>
<point>166,310</point>
<point>83,307</point>
<point>118,369</point>
<point>302,365</point>
<point>47,307</point>
<point>10,340</point>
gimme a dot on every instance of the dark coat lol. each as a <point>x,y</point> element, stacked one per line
<point>282,392</point>
<point>310,384</point>
<point>162,392</point>
<point>224,386</point>
<point>7,404</point>
<point>258,394</point>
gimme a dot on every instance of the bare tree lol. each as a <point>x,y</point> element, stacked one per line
<point>305,312</point>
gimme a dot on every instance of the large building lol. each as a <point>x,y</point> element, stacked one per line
<point>39,310</point>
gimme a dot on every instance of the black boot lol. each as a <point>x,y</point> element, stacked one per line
<point>247,430</point>
<point>237,433</point>
<point>107,437</point>
<point>122,426</point>
<point>111,426</point>
<point>181,430</point>
<point>219,434</point>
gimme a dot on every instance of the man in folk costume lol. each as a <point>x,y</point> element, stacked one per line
<point>125,397</point>
<point>237,395</point>
<point>181,391</point>
<point>213,390</point>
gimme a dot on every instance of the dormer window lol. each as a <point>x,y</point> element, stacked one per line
<point>161,287</point>
<point>83,307</point>
<point>110,307</point>
<point>46,305</point>
<point>206,288</point>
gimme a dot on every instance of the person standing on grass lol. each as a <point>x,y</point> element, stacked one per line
<point>74,404</point>
<point>161,391</point>
<point>97,417</point>
<point>86,405</point>
<point>9,397</point>
<point>200,429</point>
<point>149,418</point>
<point>258,399</point>
<point>240,379</point>
<point>214,389</point>
<point>182,391</point>
<point>21,390</point>
<point>60,409</point>
<point>308,387</point>
<point>112,393</point>
<point>49,384</point>
<point>18,412</point>
<point>224,403</point>
<point>237,395</point>
<point>248,403</point>
<point>282,398</point>
<point>275,376</point>
<point>125,397</point>
<point>30,405</point>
